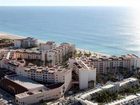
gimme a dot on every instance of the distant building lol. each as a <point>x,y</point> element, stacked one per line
<point>51,57</point>
<point>47,46</point>
<point>27,54</point>
<point>18,43</point>
<point>25,42</point>
<point>57,55</point>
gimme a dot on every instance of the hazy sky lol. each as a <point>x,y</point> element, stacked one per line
<point>72,2</point>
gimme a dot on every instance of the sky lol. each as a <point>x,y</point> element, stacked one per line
<point>133,3</point>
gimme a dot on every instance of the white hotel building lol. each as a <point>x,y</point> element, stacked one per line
<point>85,72</point>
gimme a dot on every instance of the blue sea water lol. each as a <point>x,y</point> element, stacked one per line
<point>111,30</point>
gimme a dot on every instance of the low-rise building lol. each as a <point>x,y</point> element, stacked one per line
<point>129,82</point>
<point>110,87</point>
<point>17,84</point>
<point>128,100</point>
<point>28,92</point>
<point>47,46</point>
<point>40,95</point>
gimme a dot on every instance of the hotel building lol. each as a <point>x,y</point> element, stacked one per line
<point>86,74</point>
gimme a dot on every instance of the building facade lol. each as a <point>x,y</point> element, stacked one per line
<point>49,54</point>
<point>105,64</point>
<point>25,42</point>
<point>86,73</point>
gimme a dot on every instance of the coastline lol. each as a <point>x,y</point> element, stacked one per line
<point>93,53</point>
<point>4,35</point>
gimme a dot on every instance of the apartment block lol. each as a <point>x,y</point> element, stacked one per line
<point>112,64</point>
<point>25,42</point>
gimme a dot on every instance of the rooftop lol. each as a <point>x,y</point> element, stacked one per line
<point>45,69</point>
<point>84,64</point>
<point>32,92</point>
<point>83,96</point>
<point>125,100</point>
<point>127,81</point>
<point>25,82</point>
<point>122,57</point>
<point>38,91</point>
<point>108,86</point>
<point>27,51</point>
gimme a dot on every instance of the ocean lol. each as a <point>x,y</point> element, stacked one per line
<point>110,30</point>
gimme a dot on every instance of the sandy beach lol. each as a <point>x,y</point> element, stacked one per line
<point>93,53</point>
<point>9,36</point>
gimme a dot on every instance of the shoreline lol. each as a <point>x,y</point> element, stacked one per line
<point>93,53</point>
<point>4,35</point>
